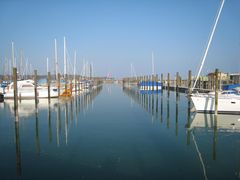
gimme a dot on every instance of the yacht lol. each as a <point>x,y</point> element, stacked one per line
<point>25,90</point>
<point>228,102</point>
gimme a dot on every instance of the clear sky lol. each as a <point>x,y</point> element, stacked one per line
<point>112,34</point>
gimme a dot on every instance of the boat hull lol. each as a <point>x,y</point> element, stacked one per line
<point>226,105</point>
<point>43,93</point>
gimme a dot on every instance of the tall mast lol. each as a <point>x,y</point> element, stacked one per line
<point>153,64</point>
<point>65,57</point>
<point>56,60</point>
<point>209,43</point>
<point>47,66</point>
<point>131,70</point>
<point>13,56</point>
<point>74,67</point>
<point>90,70</point>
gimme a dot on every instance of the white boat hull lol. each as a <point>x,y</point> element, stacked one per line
<point>30,94</point>
<point>226,104</point>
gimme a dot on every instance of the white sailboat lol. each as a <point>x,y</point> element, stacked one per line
<point>228,101</point>
<point>26,90</point>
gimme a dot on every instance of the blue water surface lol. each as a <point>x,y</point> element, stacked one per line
<point>115,133</point>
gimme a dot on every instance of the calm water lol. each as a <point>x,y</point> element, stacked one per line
<point>116,133</point>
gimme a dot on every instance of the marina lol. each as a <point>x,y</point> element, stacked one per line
<point>122,90</point>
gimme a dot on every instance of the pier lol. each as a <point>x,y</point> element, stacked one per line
<point>176,83</point>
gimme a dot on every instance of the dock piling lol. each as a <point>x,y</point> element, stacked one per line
<point>216,91</point>
<point>189,82</point>
<point>15,93</point>
<point>48,84</point>
<point>35,87</point>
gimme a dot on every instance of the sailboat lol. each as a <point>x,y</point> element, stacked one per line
<point>150,86</point>
<point>228,101</point>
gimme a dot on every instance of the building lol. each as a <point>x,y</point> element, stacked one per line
<point>234,78</point>
<point>223,79</point>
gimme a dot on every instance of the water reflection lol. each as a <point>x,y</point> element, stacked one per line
<point>28,109</point>
<point>204,133</point>
<point>221,122</point>
<point>118,142</point>
<point>149,100</point>
<point>216,126</point>
<point>18,147</point>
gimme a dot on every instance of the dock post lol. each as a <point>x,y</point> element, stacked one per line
<point>189,82</point>
<point>152,80</point>
<point>35,87</point>
<point>168,82</point>
<point>71,86</point>
<point>48,84</point>
<point>66,81</point>
<point>58,84</point>
<point>216,91</point>
<point>149,80</point>
<point>156,80</point>
<point>75,84</point>
<point>162,81</point>
<point>177,83</point>
<point>15,93</point>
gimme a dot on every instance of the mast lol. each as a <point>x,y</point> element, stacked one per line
<point>65,57</point>
<point>131,70</point>
<point>74,67</point>
<point>153,72</point>
<point>47,66</point>
<point>56,60</point>
<point>13,56</point>
<point>209,43</point>
<point>21,64</point>
<point>90,70</point>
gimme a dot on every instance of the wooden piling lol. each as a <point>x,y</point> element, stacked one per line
<point>75,85</point>
<point>168,82</point>
<point>216,91</point>
<point>48,84</point>
<point>66,81</point>
<point>152,81</point>
<point>79,85</point>
<point>58,84</point>
<point>156,80</point>
<point>162,81</point>
<point>189,82</point>
<point>35,86</point>
<point>15,93</point>
<point>177,82</point>
<point>71,87</point>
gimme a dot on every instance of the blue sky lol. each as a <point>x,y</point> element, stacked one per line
<point>112,34</point>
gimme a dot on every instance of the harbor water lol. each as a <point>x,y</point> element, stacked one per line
<point>117,133</point>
